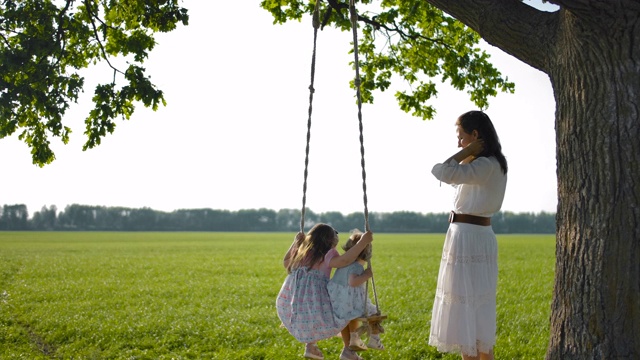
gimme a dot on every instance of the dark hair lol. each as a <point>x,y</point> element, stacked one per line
<point>317,243</point>
<point>479,121</point>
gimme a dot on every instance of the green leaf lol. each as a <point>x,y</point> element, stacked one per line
<point>411,41</point>
<point>44,44</point>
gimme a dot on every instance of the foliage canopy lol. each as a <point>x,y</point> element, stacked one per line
<point>43,46</point>
<point>409,39</point>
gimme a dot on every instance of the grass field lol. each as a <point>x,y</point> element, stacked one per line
<point>212,296</point>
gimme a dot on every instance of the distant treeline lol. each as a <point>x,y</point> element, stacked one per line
<point>100,218</point>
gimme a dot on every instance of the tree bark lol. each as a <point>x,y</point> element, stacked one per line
<point>591,52</point>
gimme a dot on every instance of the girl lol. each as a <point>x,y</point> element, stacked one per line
<point>464,309</point>
<point>347,291</point>
<point>303,303</point>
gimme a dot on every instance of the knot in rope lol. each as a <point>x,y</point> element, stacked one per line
<point>316,17</point>
<point>352,12</point>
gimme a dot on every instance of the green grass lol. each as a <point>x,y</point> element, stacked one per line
<point>212,296</point>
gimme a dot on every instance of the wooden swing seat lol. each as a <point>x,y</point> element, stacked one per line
<point>372,323</point>
<point>372,318</point>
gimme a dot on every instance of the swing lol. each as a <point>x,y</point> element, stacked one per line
<point>369,322</point>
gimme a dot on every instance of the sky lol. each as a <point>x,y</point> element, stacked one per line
<point>233,133</point>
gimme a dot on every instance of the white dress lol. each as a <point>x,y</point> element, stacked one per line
<point>464,309</point>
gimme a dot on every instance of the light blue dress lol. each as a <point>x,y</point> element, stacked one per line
<point>348,302</point>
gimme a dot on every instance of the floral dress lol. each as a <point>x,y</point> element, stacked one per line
<point>348,302</point>
<point>304,306</point>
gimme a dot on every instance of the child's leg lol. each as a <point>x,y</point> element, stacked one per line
<point>374,338</point>
<point>346,336</point>
<point>346,332</point>
<point>355,343</point>
<point>353,325</point>
<point>348,354</point>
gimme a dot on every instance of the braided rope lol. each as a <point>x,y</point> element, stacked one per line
<point>316,25</point>
<point>354,27</point>
<point>357,81</point>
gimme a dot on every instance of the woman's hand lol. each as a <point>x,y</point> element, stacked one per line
<point>299,238</point>
<point>468,153</point>
<point>475,147</point>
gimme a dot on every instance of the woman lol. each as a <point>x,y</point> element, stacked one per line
<point>464,310</point>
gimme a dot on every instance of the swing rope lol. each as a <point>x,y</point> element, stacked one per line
<point>357,82</point>
<point>316,26</point>
<point>354,28</point>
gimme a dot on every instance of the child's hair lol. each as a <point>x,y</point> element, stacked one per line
<point>356,235</point>
<point>316,244</point>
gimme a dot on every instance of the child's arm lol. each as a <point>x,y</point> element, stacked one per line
<point>357,280</point>
<point>292,249</point>
<point>352,254</point>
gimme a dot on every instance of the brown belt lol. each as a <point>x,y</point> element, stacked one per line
<point>469,219</point>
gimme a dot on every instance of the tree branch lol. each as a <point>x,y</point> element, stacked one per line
<point>60,38</point>
<point>93,16</point>
<point>333,4</point>
<point>588,6</point>
<point>518,29</point>
<point>6,41</point>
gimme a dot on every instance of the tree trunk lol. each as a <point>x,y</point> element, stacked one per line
<point>596,81</point>
<point>591,51</point>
